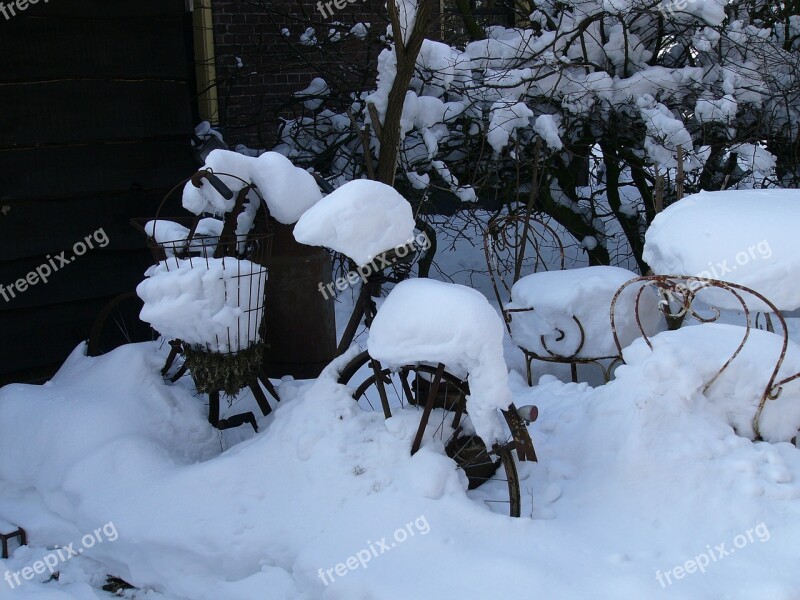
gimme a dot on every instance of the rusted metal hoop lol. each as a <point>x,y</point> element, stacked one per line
<point>684,289</point>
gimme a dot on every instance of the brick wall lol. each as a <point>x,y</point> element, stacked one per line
<point>253,93</point>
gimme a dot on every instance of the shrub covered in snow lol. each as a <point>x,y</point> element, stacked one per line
<point>621,84</point>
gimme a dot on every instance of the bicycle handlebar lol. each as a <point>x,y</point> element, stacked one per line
<point>216,183</point>
<point>225,191</point>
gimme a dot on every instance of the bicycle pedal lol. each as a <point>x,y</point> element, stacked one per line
<point>238,420</point>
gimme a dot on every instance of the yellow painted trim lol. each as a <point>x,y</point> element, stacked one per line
<point>205,61</point>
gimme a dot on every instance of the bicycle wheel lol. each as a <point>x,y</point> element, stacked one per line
<point>492,475</point>
<point>118,324</point>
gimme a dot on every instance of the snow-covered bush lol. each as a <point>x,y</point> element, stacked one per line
<point>597,97</point>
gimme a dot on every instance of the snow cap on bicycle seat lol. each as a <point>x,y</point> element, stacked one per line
<point>428,321</point>
<point>361,219</point>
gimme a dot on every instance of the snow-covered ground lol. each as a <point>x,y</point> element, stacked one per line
<point>643,489</point>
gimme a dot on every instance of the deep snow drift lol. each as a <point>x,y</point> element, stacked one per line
<point>644,489</point>
<point>636,477</point>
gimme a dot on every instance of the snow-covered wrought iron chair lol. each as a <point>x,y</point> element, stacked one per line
<point>555,314</point>
<point>715,346</point>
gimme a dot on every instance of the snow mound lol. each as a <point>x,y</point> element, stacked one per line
<point>172,236</point>
<point>162,231</point>
<point>585,293</point>
<point>428,321</point>
<point>197,523</point>
<point>287,190</point>
<point>316,92</point>
<point>216,303</point>
<point>746,237</point>
<point>689,358</point>
<point>641,474</point>
<point>361,220</point>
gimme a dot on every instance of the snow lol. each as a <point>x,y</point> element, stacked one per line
<point>213,303</point>
<point>287,190</point>
<point>428,321</point>
<point>745,237</point>
<point>441,67</point>
<point>233,170</point>
<point>387,72</point>
<point>204,130</point>
<point>316,92</point>
<point>407,16</point>
<point>361,219</point>
<point>547,127</point>
<point>419,181</point>
<point>308,37</point>
<point>636,477</point>
<point>360,30</point>
<point>163,231</point>
<point>169,235</point>
<point>757,162</point>
<point>665,133</point>
<point>506,118</point>
<point>586,294</point>
<point>464,193</point>
<point>723,110</point>
<point>698,352</point>
<point>711,12</point>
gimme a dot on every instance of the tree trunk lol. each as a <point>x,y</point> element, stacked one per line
<point>406,61</point>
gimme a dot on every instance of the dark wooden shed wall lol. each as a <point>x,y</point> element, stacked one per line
<point>95,122</point>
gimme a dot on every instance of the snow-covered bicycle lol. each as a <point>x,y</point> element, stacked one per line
<point>413,366</point>
<point>206,296</point>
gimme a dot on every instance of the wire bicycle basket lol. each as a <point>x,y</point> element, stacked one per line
<point>206,289</point>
